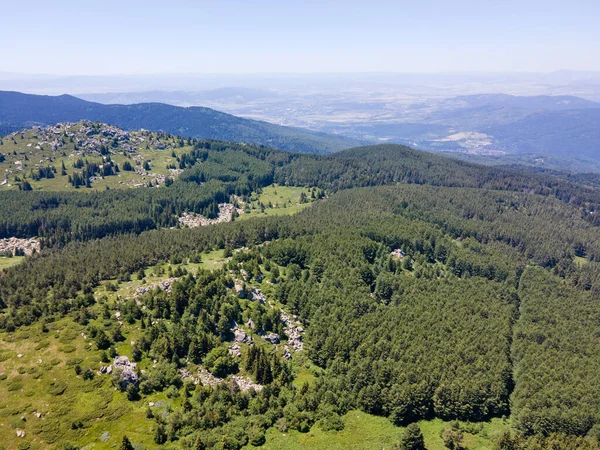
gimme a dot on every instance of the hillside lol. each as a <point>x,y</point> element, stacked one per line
<point>19,111</point>
<point>569,134</point>
<point>436,305</point>
<point>406,287</point>
<point>68,156</point>
<point>210,173</point>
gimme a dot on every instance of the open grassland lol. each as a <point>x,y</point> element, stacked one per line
<point>277,200</point>
<point>6,262</point>
<point>363,431</point>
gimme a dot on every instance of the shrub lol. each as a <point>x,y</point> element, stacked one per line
<point>412,439</point>
<point>256,436</point>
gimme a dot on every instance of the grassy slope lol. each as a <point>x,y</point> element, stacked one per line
<point>28,385</point>
<point>285,200</point>
<point>5,262</point>
<point>364,432</point>
<point>48,359</point>
<point>123,180</point>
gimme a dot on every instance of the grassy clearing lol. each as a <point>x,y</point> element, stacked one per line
<point>42,394</point>
<point>155,274</point>
<point>277,200</point>
<point>211,260</point>
<point>6,262</point>
<point>365,432</point>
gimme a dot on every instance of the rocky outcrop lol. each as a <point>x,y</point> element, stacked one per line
<point>15,246</point>
<point>126,370</point>
<point>226,211</point>
<point>165,285</point>
<point>245,383</point>
<point>397,253</point>
<point>272,338</point>
<point>294,331</point>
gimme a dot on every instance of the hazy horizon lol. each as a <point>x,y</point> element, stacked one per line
<point>265,36</point>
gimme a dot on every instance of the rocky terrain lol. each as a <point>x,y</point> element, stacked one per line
<point>15,246</point>
<point>138,158</point>
<point>226,211</point>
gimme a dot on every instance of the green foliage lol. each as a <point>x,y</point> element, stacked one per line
<point>488,308</point>
<point>412,438</point>
<point>555,349</point>
<point>453,438</point>
<point>125,444</point>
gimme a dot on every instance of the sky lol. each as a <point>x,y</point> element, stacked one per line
<point>286,36</point>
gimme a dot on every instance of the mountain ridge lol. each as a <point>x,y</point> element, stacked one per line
<point>18,110</point>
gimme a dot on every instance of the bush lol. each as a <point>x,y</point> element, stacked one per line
<point>172,392</point>
<point>102,340</point>
<point>256,436</point>
<point>331,422</point>
<point>132,391</point>
<point>160,434</point>
<point>453,438</point>
<point>412,439</point>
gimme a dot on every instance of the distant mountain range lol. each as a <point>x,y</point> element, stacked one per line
<point>556,132</point>
<point>548,132</point>
<point>19,111</point>
<point>541,102</point>
<point>238,95</point>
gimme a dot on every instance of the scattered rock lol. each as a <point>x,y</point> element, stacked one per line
<point>294,331</point>
<point>273,338</point>
<point>240,335</point>
<point>239,290</point>
<point>397,253</point>
<point>235,350</point>
<point>20,433</point>
<point>245,383</point>
<point>286,352</point>
<point>126,370</point>
<point>256,294</point>
<point>165,285</point>
<point>208,378</point>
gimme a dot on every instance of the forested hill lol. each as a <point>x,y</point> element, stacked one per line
<point>19,111</point>
<point>413,287</point>
<point>418,302</point>
<point>214,171</point>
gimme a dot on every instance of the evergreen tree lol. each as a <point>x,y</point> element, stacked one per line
<point>412,439</point>
<point>126,444</point>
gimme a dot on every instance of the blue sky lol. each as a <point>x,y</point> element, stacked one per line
<point>132,37</point>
